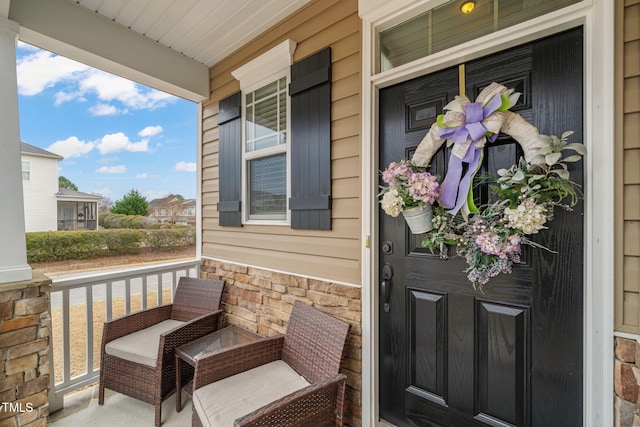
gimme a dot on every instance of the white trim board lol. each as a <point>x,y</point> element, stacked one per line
<point>79,34</point>
<point>598,21</point>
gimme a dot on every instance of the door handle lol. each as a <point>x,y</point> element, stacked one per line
<point>385,285</point>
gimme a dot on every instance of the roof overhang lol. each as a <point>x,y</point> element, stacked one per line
<point>77,198</point>
<point>75,32</point>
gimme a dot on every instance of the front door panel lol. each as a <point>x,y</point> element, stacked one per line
<point>452,356</point>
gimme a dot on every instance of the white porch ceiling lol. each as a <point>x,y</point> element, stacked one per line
<point>167,44</point>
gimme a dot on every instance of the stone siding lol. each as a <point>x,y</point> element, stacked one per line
<point>24,352</point>
<point>261,301</point>
<point>626,382</point>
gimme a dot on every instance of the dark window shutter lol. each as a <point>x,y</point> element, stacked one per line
<point>230,168</point>
<point>310,91</point>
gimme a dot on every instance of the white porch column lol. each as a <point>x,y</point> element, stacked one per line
<point>13,247</point>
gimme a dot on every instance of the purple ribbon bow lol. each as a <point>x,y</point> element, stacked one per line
<point>455,188</point>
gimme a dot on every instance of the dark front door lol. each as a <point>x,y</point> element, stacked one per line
<point>452,356</point>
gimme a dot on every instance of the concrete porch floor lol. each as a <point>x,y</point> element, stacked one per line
<point>82,409</point>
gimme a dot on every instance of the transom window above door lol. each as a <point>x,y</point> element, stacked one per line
<point>275,142</point>
<point>453,23</point>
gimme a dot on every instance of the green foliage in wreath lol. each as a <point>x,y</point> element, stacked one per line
<point>528,193</point>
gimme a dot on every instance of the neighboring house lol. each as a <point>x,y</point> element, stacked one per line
<point>173,209</point>
<point>187,214</point>
<point>76,210</point>
<point>39,187</point>
<point>46,206</point>
<point>297,123</point>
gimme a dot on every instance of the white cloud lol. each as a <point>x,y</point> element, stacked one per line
<point>117,142</point>
<point>150,131</point>
<point>41,69</point>
<point>142,175</point>
<point>185,167</point>
<point>38,69</point>
<point>62,97</point>
<point>112,169</point>
<point>105,110</point>
<point>113,88</point>
<point>71,147</point>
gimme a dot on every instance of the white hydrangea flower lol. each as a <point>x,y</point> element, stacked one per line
<point>528,217</point>
<point>392,203</point>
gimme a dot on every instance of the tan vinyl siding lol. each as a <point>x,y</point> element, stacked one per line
<point>332,255</point>
<point>628,161</point>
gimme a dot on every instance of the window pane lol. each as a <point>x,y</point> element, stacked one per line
<point>267,90</point>
<point>26,171</point>
<point>446,26</point>
<point>266,116</point>
<point>267,142</point>
<point>268,187</point>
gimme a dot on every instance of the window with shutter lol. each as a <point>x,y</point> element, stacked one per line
<point>265,161</point>
<point>282,149</point>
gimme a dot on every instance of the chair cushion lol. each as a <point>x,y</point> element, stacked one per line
<point>222,402</point>
<point>142,346</point>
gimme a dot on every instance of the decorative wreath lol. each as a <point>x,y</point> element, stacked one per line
<point>489,237</point>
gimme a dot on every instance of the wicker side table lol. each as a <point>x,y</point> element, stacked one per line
<point>213,343</point>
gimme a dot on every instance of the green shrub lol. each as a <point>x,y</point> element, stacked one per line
<point>63,245</point>
<point>111,220</point>
<point>169,239</point>
<point>122,242</point>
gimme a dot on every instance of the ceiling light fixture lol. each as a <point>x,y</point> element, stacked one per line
<point>467,7</point>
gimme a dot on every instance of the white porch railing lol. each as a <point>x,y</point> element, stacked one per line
<point>80,304</point>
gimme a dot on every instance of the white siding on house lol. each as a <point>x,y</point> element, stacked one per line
<point>39,192</point>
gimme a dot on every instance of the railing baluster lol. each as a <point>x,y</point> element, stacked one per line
<point>174,284</point>
<point>109,300</point>
<point>144,292</point>
<point>66,333</point>
<point>89,296</point>
<point>159,295</point>
<point>127,296</point>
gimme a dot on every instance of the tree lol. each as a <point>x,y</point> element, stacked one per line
<point>104,204</point>
<point>133,203</point>
<point>65,183</point>
<point>172,206</point>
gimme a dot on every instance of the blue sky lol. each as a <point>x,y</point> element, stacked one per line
<point>115,135</point>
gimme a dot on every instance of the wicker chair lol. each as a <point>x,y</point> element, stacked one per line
<point>290,380</point>
<point>130,365</point>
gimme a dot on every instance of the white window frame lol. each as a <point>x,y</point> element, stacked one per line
<point>248,156</point>
<point>27,170</point>
<point>267,68</point>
